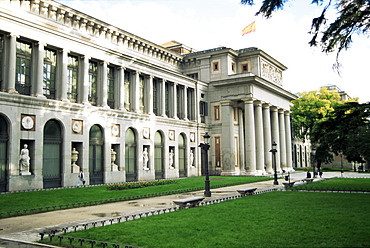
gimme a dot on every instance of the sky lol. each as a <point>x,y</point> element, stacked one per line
<point>205,24</point>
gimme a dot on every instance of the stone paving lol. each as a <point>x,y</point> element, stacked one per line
<point>25,229</point>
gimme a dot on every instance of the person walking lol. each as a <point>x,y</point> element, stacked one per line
<point>81,178</point>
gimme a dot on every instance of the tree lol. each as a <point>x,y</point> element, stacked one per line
<point>346,131</point>
<point>308,111</point>
<point>352,17</point>
<point>311,108</point>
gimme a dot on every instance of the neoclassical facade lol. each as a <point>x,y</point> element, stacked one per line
<point>79,94</point>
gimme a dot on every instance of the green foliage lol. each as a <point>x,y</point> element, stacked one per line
<point>352,17</point>
<point>346,131</point>
<point>142,184</point>
<point>311,108</point>
<point>288,219</point>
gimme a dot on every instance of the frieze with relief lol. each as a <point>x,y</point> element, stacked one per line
<point>271,73</point>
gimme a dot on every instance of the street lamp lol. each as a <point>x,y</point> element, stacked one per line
<point>205,146</point>
<point>313,157</point>
<point>274,151</point>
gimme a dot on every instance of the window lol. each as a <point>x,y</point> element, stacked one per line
<point>127,90</point>
<point>233,67</point>
<point>23,68</point>
<point>167,98</point>
<point>155,97</point>
<point>93,84</point>
<point>180,101</point>
<point>72,78</point>
<point>141,93</point>
<point>245,68</point>
<point>215,66</point>
<point>50,63</point>
<point>216,112</point>
<point>110,82</point>
<point>203,111</point>
<point>190,98</point>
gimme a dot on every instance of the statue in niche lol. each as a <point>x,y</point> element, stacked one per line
<point>191,158</point>
<point>145,159</point>
<point>24,160</point>
<point>170,159</point>
<point>113,158</point>
<point>74,158</point>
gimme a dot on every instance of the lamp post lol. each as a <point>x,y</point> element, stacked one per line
<point>205,146</point>
<point>313,157</point>
<point>274,151</point>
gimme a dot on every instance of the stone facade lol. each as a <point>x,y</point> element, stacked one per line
<point>82,94</point>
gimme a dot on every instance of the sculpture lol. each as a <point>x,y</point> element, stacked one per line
<point>74,158</point>
<point>170,159</point>
<point>191,158</point>
<point>145,159</point>
<point>25,161</point>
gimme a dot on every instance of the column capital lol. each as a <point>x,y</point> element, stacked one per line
<point>258,103</point>
<point>13,35</point>
<point>287,112</point>
<point>281,110</point>
<point>266,105</point>
<point>248,100</point>
<point>274,108</point>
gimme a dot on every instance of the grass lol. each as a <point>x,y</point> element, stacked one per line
<point>339,184</point>
<point>276,219</point>
<point>37,199</point>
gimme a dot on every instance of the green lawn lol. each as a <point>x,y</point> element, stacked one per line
<point>339,184</point>
<point>275,219</point>
<point>37,199</point>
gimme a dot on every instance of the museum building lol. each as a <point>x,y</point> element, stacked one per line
<point>79,94</point>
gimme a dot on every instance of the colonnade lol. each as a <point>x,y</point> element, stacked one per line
<point>142,93</point>
<point>259,125</point>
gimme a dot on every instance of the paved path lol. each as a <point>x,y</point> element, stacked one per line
<point>27,228</point>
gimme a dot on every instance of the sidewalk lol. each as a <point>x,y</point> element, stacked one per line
<point>27,228</point>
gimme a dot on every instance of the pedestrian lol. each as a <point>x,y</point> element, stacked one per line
<point>320,172</point>
<point>308,174</point>
<point>81,178</point>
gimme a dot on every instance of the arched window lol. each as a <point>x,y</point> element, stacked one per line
<point>52,155</point>
<point>158,156</point>
<point>181,156</point>
<point>96,155</point>
<point>130,155</point>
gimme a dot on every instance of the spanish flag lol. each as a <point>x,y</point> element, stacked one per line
<point>250,28</point>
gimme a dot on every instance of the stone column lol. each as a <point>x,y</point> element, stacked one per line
<point>121,88</point>
<point>260,161</point>
<point>282,139</point>
<point>241,142</point>
<point>85,81</point>
<point>12,58</point>
<point>63,75</point>
<point>275,134</point>
<point>227,139</point>
<point>40,71</point>
<point>267,137</point>
<point>288,138</point>
<point>149,93</point>
<point>103,95</point>
<point>250,138</point>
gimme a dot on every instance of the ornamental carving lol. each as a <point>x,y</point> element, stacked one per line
<point>271,73</point>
